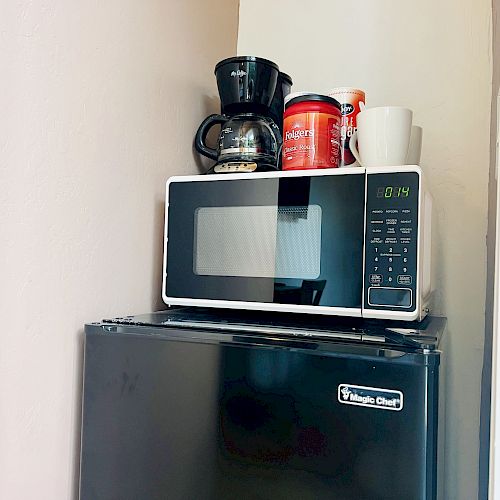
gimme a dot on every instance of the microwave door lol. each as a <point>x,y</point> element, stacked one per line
<point>266,241</point>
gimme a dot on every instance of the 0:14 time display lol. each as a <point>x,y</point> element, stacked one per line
<point>393,191</point>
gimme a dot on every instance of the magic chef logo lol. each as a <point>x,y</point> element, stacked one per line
<point>370,397</point>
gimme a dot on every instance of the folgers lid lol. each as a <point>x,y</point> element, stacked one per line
<point>293,95</point>
<point>312,98</point>
<point>311,132</point>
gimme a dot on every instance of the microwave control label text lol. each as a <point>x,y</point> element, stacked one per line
<point>370,397</point>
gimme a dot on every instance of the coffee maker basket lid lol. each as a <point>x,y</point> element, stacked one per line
<point>245,59</point>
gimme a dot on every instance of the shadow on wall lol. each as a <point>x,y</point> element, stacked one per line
<point>438,263</point>
<point>78,412</point>
<point>211,105</point>
<point>157,258</point>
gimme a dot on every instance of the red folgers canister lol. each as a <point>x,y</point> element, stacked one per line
<point>311,132</point>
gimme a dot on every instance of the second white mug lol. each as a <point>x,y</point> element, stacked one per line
<point>415,147</point>
<point>383,136</point>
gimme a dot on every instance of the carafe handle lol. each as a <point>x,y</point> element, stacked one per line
<point>201,135</point>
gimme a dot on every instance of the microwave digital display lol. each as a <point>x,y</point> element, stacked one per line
<point>393,191</point>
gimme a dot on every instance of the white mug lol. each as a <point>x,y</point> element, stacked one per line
<point>415,147</point>
<point>383,136</point>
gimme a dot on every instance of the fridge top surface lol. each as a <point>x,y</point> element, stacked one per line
<point>425,335</point>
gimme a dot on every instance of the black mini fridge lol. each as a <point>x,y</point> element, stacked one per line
<point>199,404</point>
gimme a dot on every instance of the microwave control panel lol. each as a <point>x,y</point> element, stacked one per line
<point>390,279</point>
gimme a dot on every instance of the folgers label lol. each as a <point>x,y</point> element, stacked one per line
<point>311,133</point>
<point>352,101</point>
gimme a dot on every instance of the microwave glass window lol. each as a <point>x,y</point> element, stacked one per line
<point>258,241</point>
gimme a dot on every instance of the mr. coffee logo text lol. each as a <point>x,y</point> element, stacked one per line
<point>371,397</point>
<point>239,72</point>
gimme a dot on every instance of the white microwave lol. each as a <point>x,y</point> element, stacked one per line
<point>347,242</point>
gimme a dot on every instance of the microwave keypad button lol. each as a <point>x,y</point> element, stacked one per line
<point>398,297</point>
<point>404,279</point>
<point>375,279</point>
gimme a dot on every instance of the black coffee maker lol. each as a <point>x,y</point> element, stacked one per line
<point>251,90</point>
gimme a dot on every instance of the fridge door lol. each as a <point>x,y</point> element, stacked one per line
<point>279,241</point>
<point>181,414</point>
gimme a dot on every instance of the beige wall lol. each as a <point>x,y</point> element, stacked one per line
<point>99,103</point>
<point>434,57</point>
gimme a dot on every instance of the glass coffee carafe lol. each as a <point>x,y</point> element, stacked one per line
<point>247,142</point>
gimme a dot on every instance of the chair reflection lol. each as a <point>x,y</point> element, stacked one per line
<point>309,293</point>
